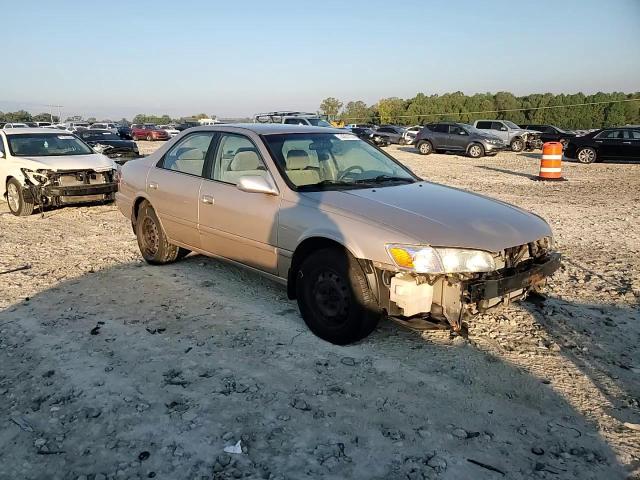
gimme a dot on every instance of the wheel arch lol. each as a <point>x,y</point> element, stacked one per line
<point>317,242</point>
<point>135,208</point>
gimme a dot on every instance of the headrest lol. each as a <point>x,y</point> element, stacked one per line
<point>191,154</point>
<point>245,160</point>
<point>297,160</point>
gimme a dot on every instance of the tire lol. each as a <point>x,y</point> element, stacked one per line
<point>134,138</point>
<point>18,205</point>
<point>586,155</point>
<point>334,297</point>
<point>424,147</point>
<point>149,138</point>
<point>475,150</point>
<point>517,145</point>
<point>153,243</point>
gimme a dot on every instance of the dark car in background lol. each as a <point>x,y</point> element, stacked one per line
<point>186,125</point>
<point>124,132</point>
<point>110,144</point>
<point>393,133</point>
<point>148,131</point>
<point>622,143</point>
<point>550,133</point>
<point>370,136</point>
<point>457,137</point>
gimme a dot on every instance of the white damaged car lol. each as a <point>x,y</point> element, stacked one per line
<point>42,167</point>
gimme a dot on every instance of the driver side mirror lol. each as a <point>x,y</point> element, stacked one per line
<point>257,184</point>
<point>462,132</point>
<point>503,129</point>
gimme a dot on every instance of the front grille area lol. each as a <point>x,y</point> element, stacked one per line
<point>83,177</point>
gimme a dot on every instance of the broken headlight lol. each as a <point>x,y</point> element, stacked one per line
<point>36,177</point>
<point>425,259</point>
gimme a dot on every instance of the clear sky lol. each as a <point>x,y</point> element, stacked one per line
<point>235,58</point>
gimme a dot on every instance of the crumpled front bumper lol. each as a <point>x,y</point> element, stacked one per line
<point>523,277</point>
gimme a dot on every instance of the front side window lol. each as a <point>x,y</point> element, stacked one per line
<point>47,145</point>
<point>497,126</point>
<point>318,122</point>
<point>320,161</point>
<point>511,125</point>
<point>635,134</point>
<point>188,155</point>
<point>1,145</point>
<point>294,121</point>
<point>456,130</point>
<point>236,156</point>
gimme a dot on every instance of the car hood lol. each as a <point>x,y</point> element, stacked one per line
<point>438,215</point>
<point>94,161</point>
<point>114,143</point>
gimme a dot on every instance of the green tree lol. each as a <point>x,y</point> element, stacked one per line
<point>45,117</point>
<point>331,106</point>
<point>356,112</point>
<point>391,110</point>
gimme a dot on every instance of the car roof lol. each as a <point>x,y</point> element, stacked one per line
<point>22,131</point>
<point>271,128</point>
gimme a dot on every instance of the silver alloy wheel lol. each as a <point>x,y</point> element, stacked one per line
<point>517,145</point>
<point>425,148</point>
<point>13,197</point>
<point>475,151</point>
<point>586,155</point>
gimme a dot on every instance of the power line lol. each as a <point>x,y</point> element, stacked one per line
<point>547,107</point>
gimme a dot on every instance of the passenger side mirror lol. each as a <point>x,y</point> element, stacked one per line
<point>503,129</point>
<point>257,184</point>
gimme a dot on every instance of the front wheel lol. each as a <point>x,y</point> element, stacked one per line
<point>152,240</point>
<point>149,138</point>
<point>517,145</point>
<point>475,151</point>
<point>425,147</point>
<point>334,297</point>
<point>18,204</point>
<point>587,155</point>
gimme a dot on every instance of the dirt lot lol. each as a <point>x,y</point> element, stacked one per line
<point>110,368</point>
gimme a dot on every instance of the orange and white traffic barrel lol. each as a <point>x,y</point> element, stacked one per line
<point>551,162</point>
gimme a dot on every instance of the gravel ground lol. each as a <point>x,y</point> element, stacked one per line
<point>110,368</point>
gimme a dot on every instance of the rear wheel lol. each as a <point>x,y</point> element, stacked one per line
<point>425,147</point>
<point>587,155</point>
<point>18,204</point>
<point>517,145</point>
<point>152,240</point>
<point>334,297</point>
<point>475,150</point>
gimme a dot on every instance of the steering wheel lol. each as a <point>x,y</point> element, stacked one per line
<point>349,170</point>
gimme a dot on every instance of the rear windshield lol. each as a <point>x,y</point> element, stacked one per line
<point>46,145</point>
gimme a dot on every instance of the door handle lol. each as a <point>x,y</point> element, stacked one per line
<point>153,185</point>
<point>208,199</point>
<point>598,141</point>
<point>627,143</point>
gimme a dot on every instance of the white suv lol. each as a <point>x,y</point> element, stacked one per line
<point>41,167</point>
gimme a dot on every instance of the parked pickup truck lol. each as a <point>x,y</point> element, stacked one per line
<point>148,131</point>
<point>510,133</point>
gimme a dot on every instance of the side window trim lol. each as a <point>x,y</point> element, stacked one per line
<point>212,142</point>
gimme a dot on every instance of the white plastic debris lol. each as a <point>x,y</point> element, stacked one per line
<point>237,448</point>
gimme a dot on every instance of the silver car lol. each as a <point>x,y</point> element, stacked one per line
<point>353,233</point>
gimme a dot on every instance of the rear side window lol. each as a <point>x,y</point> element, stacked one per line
<point>484,125</point>
<point>294,121</point>
<point>611,134</point>
<point>441,128</point>
<point>188,155</point>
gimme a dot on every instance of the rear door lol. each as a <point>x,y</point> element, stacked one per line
<point>173,186</point>
<point>234,224</point>
<point>634,143</point>
<point>440,136</point>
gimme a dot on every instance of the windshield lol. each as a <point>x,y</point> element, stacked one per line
<point>318,122</point>
<point>321,161</point>
<point>46,145</point>
<point>97,136</point>
<point>511,124</point>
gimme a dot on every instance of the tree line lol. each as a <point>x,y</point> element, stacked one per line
<point>22,116</point>
<point>562,110</point>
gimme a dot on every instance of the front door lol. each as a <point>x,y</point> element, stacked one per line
<point>610,143</point>
<point>173,186</point>
<point>500,130</point>
<point>458,138</point>
<point>234,224</point>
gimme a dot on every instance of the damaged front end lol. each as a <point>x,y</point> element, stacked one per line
<point>532,141</point>
<point>55,188</point>
<point>454,295</point>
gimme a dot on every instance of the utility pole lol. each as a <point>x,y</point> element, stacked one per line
<point>51,107</point>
